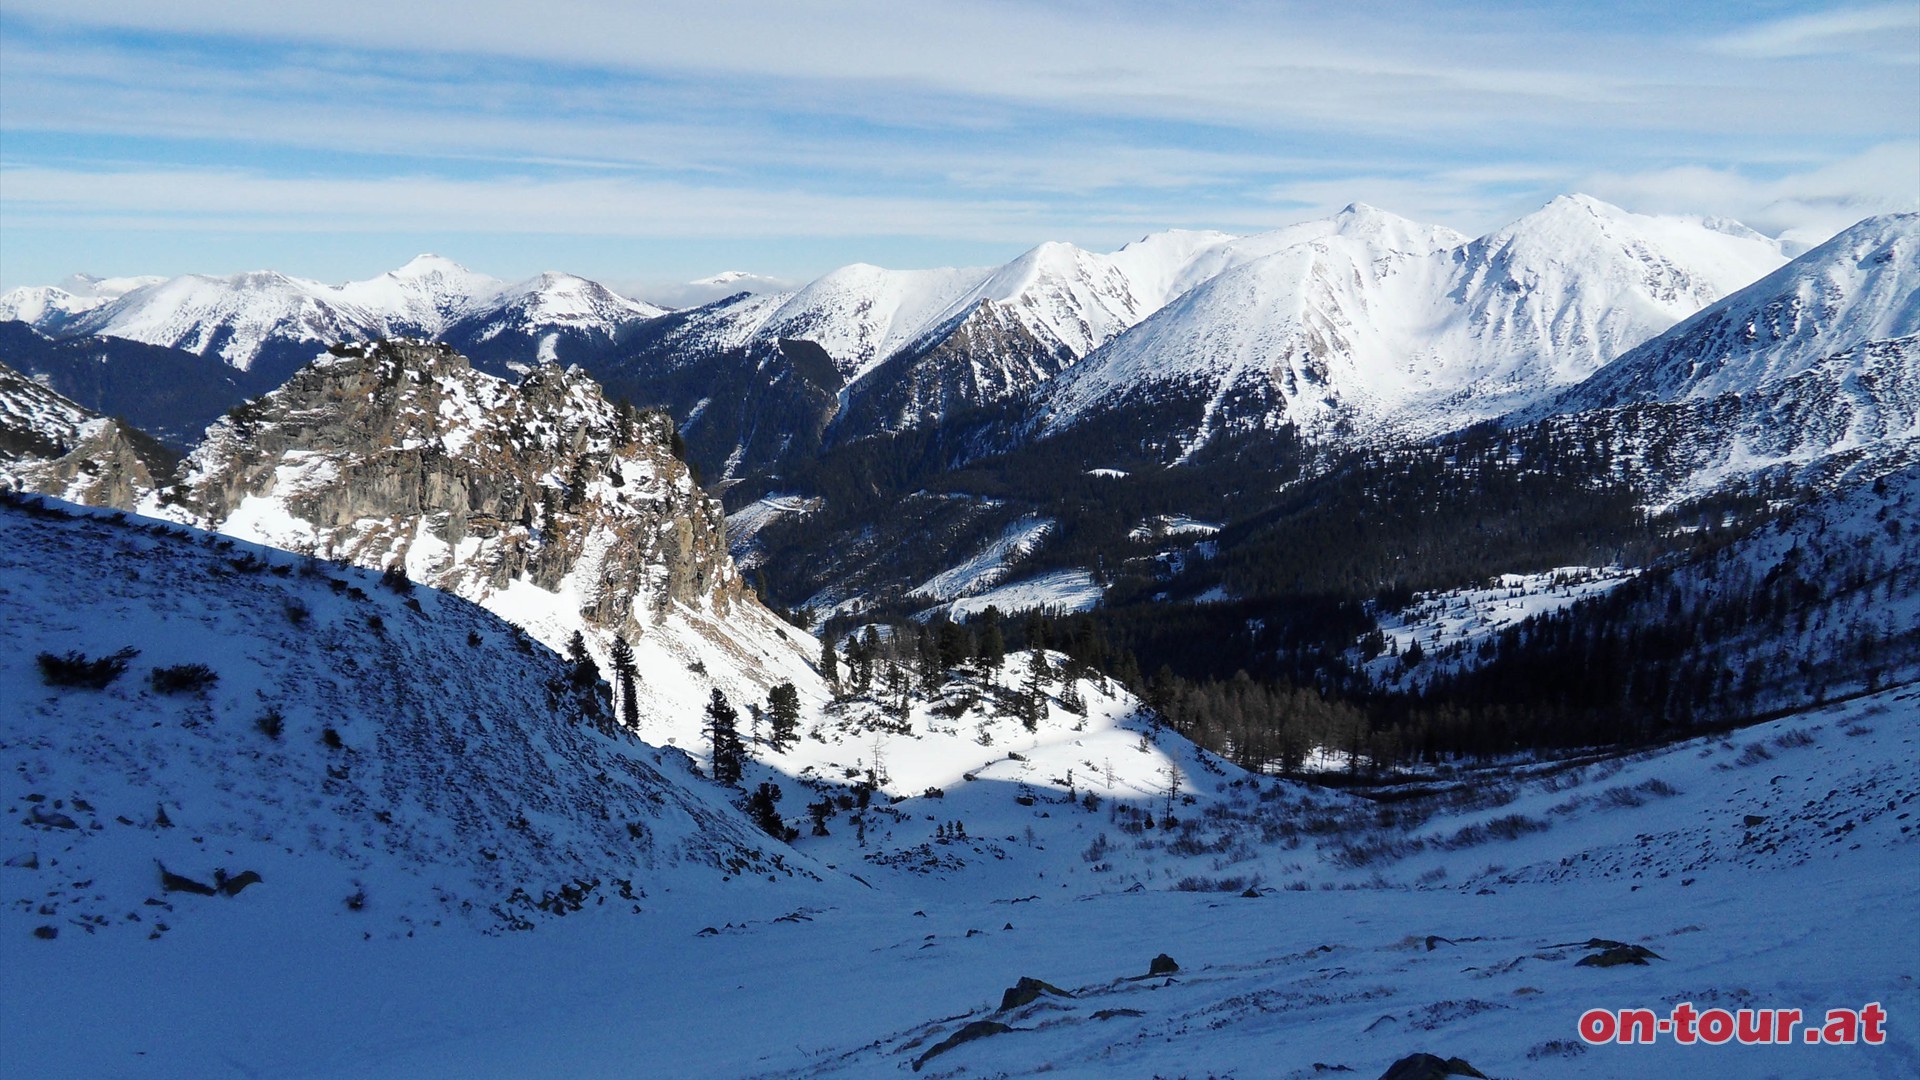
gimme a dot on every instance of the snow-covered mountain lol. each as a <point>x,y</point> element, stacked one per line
<point>1372,323</point>
<point>427,295</point>
<point>49,307</point>
<point>271,323</point>
<point>1861,286</point>
<point>236,318</point>
<point>864,349</point>
<point>1821,357</point>
<point>550,318</point>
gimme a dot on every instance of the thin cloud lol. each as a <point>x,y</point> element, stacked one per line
<point>1885,32</point>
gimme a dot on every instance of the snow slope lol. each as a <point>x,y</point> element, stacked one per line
<point>410,751</point>
<point>48,307</point>
<point>32,417</point>
<point>1374,948</point>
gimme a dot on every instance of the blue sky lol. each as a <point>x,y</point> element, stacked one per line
<point>647,143</point>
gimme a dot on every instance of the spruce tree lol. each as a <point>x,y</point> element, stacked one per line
<point>1070,698</point>
<point>626,673</point>
<point>993,644</point>
<point>1033,696</point>
<point>783,714</point>
<point>723,733</point>
<point>830,664</point>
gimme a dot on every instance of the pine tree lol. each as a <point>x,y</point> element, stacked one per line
<point>577,483</point>
<point>1033,696</point>
<point>762,807</point>
<point>584,676</point>
<point>1070,698</point>
<point>723,733</point>
<point>830,664</point>
<point>623,421</point>
<point>783,713</point>
<point>549,512</point>
<point>993,644</point>
<point>626,673</point>
<point>860,661</point>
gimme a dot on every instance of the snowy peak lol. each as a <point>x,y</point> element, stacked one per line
<point>426,295</point>
<point>1367,321</point>
<point>232,317</point>
<point>1392,233</point>
<point>558,299</point>
<point>861,314</point>
<point>246,316</point>
<point>44,307</point>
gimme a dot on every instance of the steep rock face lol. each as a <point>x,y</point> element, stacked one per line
<point>401,453</point>
<point>54,446</point>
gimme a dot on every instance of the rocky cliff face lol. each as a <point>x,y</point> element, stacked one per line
<point>401,454</point>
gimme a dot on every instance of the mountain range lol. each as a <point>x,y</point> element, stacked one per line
<point>1522,612</point>
<point>1692,350</point>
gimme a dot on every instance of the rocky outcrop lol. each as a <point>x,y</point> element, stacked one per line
<point>401,454</point>
<point>52,446</point>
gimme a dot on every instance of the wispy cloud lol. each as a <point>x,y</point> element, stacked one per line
<point>968,122</point>
<point>1805,206</point>
<point>1885,32</point>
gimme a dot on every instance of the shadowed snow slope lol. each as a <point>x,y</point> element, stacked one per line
<point>384,763</point>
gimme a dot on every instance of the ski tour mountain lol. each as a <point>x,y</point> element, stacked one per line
<point>1338,648</point>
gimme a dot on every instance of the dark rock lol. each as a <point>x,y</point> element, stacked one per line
<point>1755,819</point>
<point>1162,965</point>
<point>53,820</point>
<point>46,933</point>
<point>26,860</point>
<point>1026,991</point>
<point>173,882</point>
<point>1429,1067</point>
<point>1111,1014</point>
<point>1617,953</point>
<point>979,1029</point>
<point>231,886</point>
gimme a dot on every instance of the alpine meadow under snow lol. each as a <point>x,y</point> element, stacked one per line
<point>1351,649</point>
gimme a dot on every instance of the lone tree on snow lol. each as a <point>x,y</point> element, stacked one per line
<point>783,716</point>
<point>626,673</point>
<point>723,731</point>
